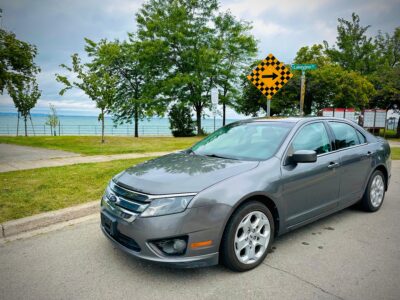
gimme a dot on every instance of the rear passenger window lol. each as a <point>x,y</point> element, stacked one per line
<point>312,137</point>
<point>345,135</point>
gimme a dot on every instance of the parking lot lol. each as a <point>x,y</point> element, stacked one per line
<point>350,255</point>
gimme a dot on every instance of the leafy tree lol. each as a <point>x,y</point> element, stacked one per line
<point>186,32</point>
<point>131,64</point>
<point>97,83</point>
<point>25,96</point>
<point>52,119</point>
<point>16,62</point>
<point>235,49</point>
<point>331,85</point>
<point>354,49</point>
<point>388,48</point>
<point>180,119</point>
<point>312,55</point>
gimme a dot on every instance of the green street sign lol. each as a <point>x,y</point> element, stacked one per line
<point>304,67</point>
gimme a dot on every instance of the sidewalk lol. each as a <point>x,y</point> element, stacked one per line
<point>9,164</point>
<point>394,144</point>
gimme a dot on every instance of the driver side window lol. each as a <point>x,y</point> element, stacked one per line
<point>312,137</point>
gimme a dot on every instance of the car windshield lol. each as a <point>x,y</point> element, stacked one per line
<point>244,141</point>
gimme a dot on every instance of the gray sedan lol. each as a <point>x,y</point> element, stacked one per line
<point>227,198</point>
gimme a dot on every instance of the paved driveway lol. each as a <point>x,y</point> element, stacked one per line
<point>14,154</point>
<point>350,255</point>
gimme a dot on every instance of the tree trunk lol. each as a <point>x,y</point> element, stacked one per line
<point>198,120</point>
<point>136,116</point>
<point>398,128</point>
<point>223,113</point>
<point>26,127</point>
<point>102,126</point>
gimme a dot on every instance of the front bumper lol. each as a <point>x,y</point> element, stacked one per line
<point>198,224</point>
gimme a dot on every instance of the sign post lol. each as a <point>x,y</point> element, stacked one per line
<point>303,68</point>
<point>214,101</point>
<point>269,77</point>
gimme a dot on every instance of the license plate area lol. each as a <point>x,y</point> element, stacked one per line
<point>109,224</point>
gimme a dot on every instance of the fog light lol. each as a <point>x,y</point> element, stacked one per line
<point>176,246</point>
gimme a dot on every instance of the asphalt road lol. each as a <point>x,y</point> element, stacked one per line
<point>350,255</point>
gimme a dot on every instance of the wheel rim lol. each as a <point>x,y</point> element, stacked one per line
<point>377,191</point>
<point>252,237</point>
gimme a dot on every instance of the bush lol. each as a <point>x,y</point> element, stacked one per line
<point>180,119</point>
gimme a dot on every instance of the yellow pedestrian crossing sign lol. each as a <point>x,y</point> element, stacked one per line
<point>269,76</point>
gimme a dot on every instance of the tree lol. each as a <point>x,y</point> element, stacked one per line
<point>235,48</point>
<point>52,119</point>
<point>131,64</point>
<point>180,119</point>
<point>388,48</point>
<point>16,61</point>
<point>97,83</point>
<point>331,85</point>
<point>25,96</point>
<point>312,55</point>
<point>354,49</point>
<point>186,32</point>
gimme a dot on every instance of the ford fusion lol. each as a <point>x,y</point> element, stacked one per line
<point>225,199</point>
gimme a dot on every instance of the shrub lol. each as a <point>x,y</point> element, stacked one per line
<point>180,119</point>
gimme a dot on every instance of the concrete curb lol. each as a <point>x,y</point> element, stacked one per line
<point>14,227</point>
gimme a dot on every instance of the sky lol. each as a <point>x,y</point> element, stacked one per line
<point>57,28</point>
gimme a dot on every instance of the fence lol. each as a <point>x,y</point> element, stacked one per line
<point>121,130</point>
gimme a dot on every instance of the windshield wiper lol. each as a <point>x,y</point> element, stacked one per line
<point>219,156</point>
<point>190,151</point>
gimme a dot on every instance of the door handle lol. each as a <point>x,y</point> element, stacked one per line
<point>369,154</point>
<point>333,165</point>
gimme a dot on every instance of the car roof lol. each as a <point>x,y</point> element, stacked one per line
<point>290,119</point>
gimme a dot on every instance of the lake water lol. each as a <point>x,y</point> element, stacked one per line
<point>89,125</point>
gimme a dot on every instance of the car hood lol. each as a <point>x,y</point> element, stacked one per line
<point>180,173</point>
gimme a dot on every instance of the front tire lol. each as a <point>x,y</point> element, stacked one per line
<point>374,193</point>
<point>247,237</point>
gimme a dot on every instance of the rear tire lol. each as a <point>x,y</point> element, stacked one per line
<point>374,193</point>
<point>248,237</point>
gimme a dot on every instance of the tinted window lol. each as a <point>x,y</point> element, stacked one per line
<point>345,135</point>
<point>312,137</point>
<point>248,141</point>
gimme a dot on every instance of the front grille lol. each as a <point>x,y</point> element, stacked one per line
<point>128,193</point>
<point>127,199</point>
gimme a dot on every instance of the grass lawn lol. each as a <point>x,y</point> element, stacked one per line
<point>91,145</point>
<point>29,192</point>
<point>395,153</point>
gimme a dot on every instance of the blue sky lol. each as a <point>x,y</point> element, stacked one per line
<point>57,28</point>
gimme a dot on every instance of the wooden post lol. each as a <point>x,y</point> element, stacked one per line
<point>302,92</point>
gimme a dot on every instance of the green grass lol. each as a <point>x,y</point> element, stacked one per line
<point>91,145</point>
<point>395,153</point>
<point>29,192</point>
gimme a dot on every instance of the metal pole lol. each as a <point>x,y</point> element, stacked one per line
<point>214,121</point>
<point>302,92</point>
<point>268,108</point>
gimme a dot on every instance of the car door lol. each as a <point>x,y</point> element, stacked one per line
<point>355,160</point>
<point>310,189</point>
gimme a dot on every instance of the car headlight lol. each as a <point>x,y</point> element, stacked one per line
<point>167,206</point>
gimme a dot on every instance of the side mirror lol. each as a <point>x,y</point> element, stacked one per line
<point>304,156</point>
